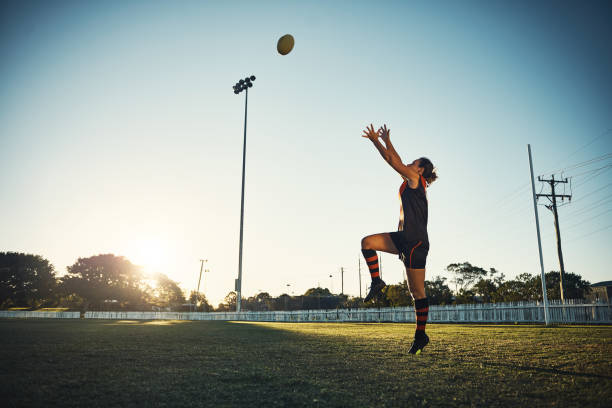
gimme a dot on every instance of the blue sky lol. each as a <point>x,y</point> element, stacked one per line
<point>120,133</point>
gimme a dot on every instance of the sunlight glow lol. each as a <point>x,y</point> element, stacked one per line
<point>151,253</point>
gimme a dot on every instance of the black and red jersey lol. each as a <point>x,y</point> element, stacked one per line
<point>413,212</point>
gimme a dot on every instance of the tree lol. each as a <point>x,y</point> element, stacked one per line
<point>318,292</point>
<point>229,303</point>
<point>574,287</point>
<point>167,292</point>
<point>259,302</point>
<point>283,302</point>
<point>200,302</point>
<point>486,290</point>
<point>321,298</point>
<point>464,296</point>
<point>465,274</point>
<point>70,301</point>
<point>522,288</point>
<point>352,303</point>
<point>398,295</point>
<point>487,287</point>
<point>438,292</point>
<point>25,280</point>
<point>107,278</point>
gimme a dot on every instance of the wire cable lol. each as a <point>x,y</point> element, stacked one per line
<point>599,172</point>
<point>596,204</point>
<point>581,164</point>
<point>605,132</point>
<point>590,171</point>
<point>514,194</point>
<point>590,233</point>
<point>592,192</point>
<point>569,227</point>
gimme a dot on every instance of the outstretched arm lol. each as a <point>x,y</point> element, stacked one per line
<point>371,134</point>
<point>388,152</point>
<point>385,135</point>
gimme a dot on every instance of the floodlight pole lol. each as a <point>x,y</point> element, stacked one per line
<point>200,278</point>
<point>359,263</point>
<point>535,209</point>
<point>242,85</point>
<point>239,281</point>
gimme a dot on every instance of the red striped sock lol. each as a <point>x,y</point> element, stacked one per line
<point>421,307</point>
<point>372,260</point>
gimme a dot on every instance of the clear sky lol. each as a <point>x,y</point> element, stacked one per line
<point>120,133</point>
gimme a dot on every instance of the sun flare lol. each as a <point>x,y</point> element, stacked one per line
<point>150,253</point>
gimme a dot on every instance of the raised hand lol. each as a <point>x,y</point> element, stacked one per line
<point>384,133</point>
<point>370,133</point>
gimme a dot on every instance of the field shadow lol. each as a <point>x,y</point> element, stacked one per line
<point>272,364</point>
<point>546,370</point>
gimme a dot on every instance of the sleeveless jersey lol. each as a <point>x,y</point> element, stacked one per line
<point>413,211</point>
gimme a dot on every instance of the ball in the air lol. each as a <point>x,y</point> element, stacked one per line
<point>285,44</point>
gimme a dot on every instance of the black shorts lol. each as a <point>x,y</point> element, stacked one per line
<point>412,252</point>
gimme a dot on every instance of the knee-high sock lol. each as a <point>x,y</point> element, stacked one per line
<point>372,260</point>
<point>421,307</point>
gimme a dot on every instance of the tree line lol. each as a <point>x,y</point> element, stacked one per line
<point>101,282</point>
<point>110,282</point>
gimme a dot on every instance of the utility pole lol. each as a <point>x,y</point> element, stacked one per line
<point>342,274</point>
<point>359,261</point>
<point>200,278</point>
<point>553,207</point>
<point>535,210</point>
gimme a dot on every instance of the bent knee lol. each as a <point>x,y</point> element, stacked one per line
<point>366,242</point>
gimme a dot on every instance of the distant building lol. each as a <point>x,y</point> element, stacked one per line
<point>601,292</point>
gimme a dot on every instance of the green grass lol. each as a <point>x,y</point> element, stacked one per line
<point>93,363</point>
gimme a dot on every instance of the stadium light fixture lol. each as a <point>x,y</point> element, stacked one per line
<point>242,85</point>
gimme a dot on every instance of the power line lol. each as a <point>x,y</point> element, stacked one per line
<point>592,206</point>
<point>590,171</point>
<point>591,233</point>
<point>516,211</point>
<point>514,194</point>
<point>592,192</point>
<point>588,219</point>
<point>582,164</point>
<point>587,144</point>
<point>599,172</point>
<point>589,209</point>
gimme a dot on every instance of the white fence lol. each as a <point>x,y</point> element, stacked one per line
<point>26,314</point>
<point>523,312</point>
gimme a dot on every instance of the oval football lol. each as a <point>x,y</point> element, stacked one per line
<point>285,44</point>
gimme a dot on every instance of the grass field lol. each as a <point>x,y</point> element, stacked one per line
<point>93,363</point>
